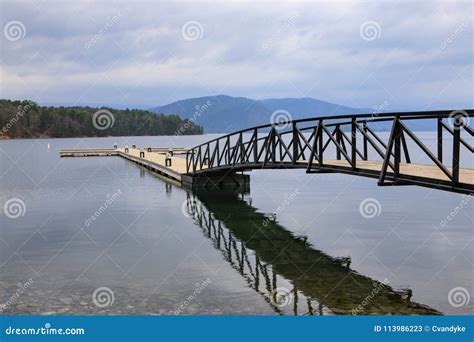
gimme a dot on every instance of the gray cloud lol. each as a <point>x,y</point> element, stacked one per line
<point>134,53</point>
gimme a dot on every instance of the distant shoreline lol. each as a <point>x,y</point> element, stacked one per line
<point>26,119</point>
<point>6,138</point>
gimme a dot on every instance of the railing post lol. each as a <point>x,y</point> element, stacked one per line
<point>353,143</point>
<point>273,138</point>
<point>187,161</point>
<point>241,147</point>
<point>397,150</point>
<point>320,142</point>
<point>208,155</point>
<point>338,139</point>
<point>440,138</point>
<point>200,158</point>
<point>255,146</point>
<point>405,148</point>
<point>228,151</point>
<point>217,154</point>
<point>366,154</point>
<point>456,147</point>
<point>388,152</point>
<point>295,144</point>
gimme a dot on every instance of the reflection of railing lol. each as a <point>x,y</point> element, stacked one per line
<point>260,276</point>
<point>269,257</point>
<point>304,144</point>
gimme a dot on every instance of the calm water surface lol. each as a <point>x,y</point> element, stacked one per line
<point>103,222</point>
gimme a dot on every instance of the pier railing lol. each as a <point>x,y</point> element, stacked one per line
<point>306,144</point>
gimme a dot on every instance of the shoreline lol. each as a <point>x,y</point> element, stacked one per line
<point>6,138</point>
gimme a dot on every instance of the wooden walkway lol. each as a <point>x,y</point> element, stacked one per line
<point>154,160</point>
<point>466,176</point>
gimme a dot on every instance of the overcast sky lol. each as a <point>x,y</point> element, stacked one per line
<point>406,55</point>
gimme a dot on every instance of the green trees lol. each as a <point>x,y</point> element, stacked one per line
<point>26,119</point>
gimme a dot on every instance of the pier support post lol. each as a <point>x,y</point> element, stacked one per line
<point>217,180</point>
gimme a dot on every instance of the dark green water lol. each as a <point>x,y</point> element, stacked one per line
<point>160,249</point>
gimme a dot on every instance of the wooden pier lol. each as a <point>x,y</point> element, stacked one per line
<point>154,159</point>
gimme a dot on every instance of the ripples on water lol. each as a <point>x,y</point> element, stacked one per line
<point>160,249</point>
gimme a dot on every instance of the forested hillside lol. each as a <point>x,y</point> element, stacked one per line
<point>26,119</point>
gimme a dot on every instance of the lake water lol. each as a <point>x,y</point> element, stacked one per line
<point>101,235</point>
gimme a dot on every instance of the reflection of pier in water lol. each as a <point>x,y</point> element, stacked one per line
<point>286,269</point>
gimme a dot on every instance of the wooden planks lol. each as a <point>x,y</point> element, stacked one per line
<point>153,160</point>
<point>466,176</point>
<point>178,164</point>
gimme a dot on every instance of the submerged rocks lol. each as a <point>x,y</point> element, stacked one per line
<point>66,300</point>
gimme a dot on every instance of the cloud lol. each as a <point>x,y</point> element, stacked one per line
<point>134,52</point>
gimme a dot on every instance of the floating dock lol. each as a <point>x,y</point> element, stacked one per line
<point>168,162</point>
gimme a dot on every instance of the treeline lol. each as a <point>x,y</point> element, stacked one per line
<point>26,119</point>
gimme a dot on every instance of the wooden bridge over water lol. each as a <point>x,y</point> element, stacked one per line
<point>350,144</point>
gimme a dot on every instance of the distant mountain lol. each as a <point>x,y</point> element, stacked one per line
<point>307,107</point>
<point>222,113</point>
